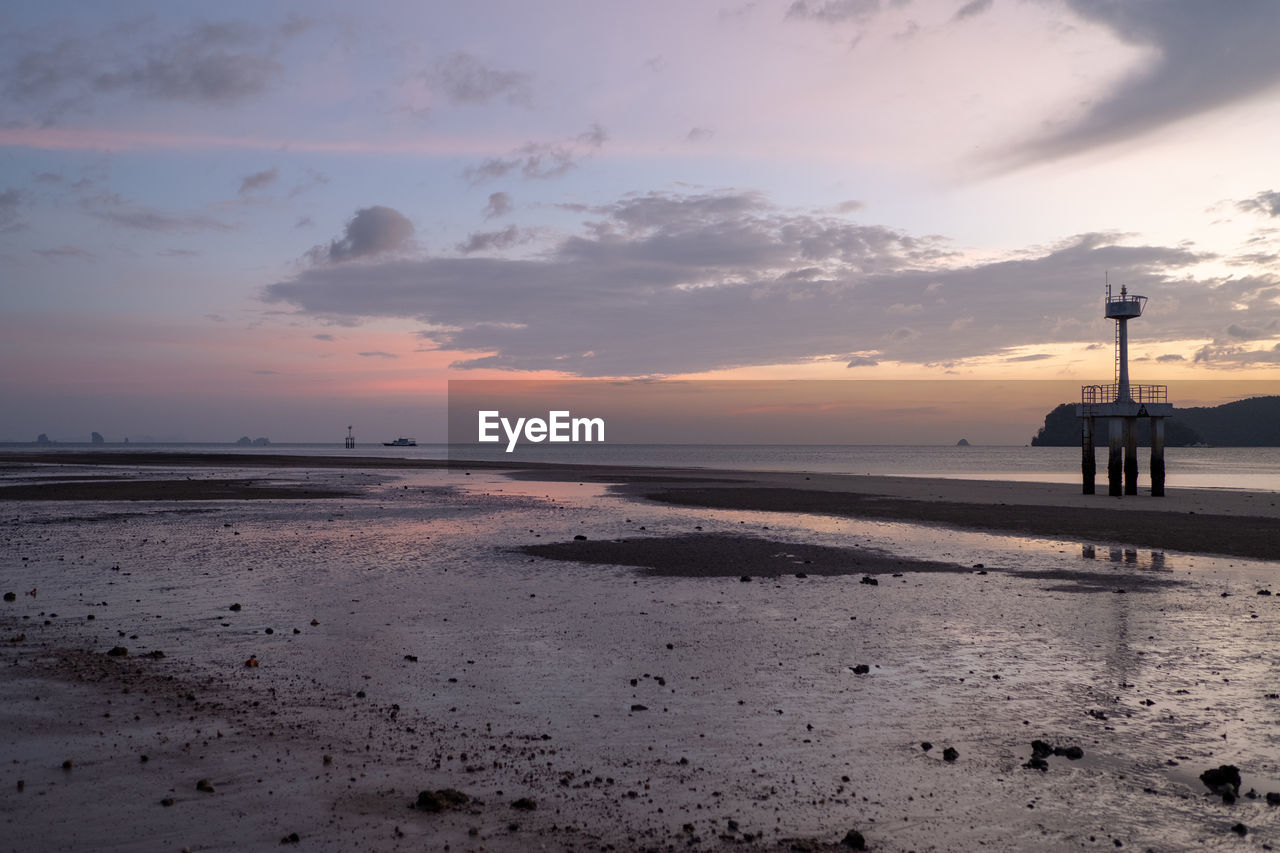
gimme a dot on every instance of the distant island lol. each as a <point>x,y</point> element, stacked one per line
<point>245,441</point>
<point>1254,422</point>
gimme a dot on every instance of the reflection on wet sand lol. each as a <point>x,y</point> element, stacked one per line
<point>417,642</point>
<point>1153,560</point>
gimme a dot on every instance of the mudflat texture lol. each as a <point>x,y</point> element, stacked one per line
<point>564,663</point>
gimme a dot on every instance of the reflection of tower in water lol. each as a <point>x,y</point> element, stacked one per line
<point>1114,612</point>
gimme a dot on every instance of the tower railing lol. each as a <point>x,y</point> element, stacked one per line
<point>1097,394</point>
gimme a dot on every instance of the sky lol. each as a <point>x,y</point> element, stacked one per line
<point>276,219</point>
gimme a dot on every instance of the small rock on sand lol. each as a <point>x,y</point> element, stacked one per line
<point>950,754</point>
<point>438,801</point>
<point>205,786</point>
<point>854,840</point>
<point>117,652</point>
<point>1222,780</point>
<point>870,581</point>
<point>524,804</point>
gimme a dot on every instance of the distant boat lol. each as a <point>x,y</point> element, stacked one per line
<point>400,442</point>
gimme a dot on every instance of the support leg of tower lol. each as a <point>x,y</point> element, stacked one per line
<point>1130,456</point>
<point>1088,464</point>
<point>1157,457</point>
<point>1115,456</point>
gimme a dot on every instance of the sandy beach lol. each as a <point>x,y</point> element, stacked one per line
<point>340,653</point>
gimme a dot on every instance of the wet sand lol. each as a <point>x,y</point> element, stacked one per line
<point>1207,521</point>
<point>593,651</point>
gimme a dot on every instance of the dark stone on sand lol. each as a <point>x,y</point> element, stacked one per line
<point>580,538</point>
<point>1222,780</point>
<point>639,707</point>
<point>430,801</point>
<point>359,694</point>
<point>270,631</point>
<point>438,801</point>
<point>926,746</point>
<point>861,669</point>
<point>870,581</point>
<point>950,754</point>
<point>117,652</point>
<point>801,575</point>
<point>1037,763</point>
<point>1040,749</point>
<point>154,654</point>
<point>1264,592</point>
<point>854,840</point>
<point>411,658</point>
<point>67,765</point>
<point>235,608</point>
<point>1273,798</point>
<point>204,786</point>
<point>745,579</point>
<point>1240,829</point>
<point>524,804</point>
<point>1071,753</point>
<point>166,802</point>
<point>291,838</point>
<point>9,596</point>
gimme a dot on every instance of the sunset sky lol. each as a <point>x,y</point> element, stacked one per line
<point>279,219</point>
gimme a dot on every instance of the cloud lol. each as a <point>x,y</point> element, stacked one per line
<point>378,354</point>
<point>1203,56</point>
<point>1035,356</point>
<point>663,283</point>
<point>11,202</point>
<point>258,180</point>
<point>69,252</point>
<point>324,336</point>
<point>499,205</point>
<point>179,253</point>
<point>1267,203</point>
<point>833,11</point>
<point>490,240</point>
<point>218,64</point>
<point>862,361</point>
<point>48,178</point>
<point>540,160</point>
<point>972,9</point>
<point>465,80</point>
<point>699,134</point>
<point>372,231</point>
<point>116,210</point>
<point>1169,357</point>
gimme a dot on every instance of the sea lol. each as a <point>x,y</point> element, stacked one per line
<point>1255,469</point>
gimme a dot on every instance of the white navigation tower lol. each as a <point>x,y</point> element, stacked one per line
<point>1119,405</point>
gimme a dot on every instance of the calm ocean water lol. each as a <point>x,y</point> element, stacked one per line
<point>1246,468</point>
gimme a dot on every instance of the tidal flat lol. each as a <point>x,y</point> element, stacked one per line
<point>593,660</point>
